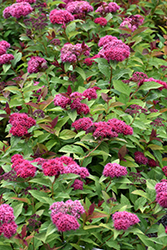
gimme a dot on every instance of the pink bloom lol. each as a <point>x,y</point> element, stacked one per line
<point>78,7</point>
<point>89,61</point>
<point>106,39</point>
<point>104,132</point>
<point>164,169</point>
<point>17,10</point>
<point>67,160</point>
<point>107,8</point>
<point>73,208</point>
<point>78,184</point>
<point>9,229</point>
<point>53,167</point>
<point>82,123</point>
<point>90,93</point>
<point>161,187</point>
<point>101,20</point>
<point>83,109</point>
<point>65,222</point>
<point>71,53</point>
<point>61,101</point>
<point>2,50</point>
<point>140,158</point>
<point>18,130</point>
<point>60,16</point>
<point>120,126</point>
<point>153,163</point>
<point>161,198</point>
<point>133,22</point>
<point>74,168</point>
<point>114,170</point>
<point>123,220</point>
<point>16,157</point>
<point>5,58</point>
<point>36,64</point>
<point>166,230</point>
<point>23,168</point>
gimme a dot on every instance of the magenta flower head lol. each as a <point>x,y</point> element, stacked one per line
<point>108,8</point>
<point>132,22</point>
<point>101,20</point>
<point>8,226</point>
<point>78,7</point>
<point>123,220</point>
<point>28,1</point>
<point>5,58</point>
<point>53,167</point>
<point>163,85</point>
<point>60,16</point>
<point>4,46</point>
<point>161,193</point>
<point>17,10</point>
<point>78,184</point>
<point>82,123</point>
<point>140,158</point>
<point>114,170</point>
<point>36,64</point>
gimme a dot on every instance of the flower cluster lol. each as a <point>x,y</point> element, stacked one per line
<point>136,109</point>
<point>113,49</point>
<point>20,124</point>
<point>132,22</point>
<point>61,165</point>
<point>60,16</point>
<point>36,23</point>
<point>36,64</point>
<point>65,214</point>
<point>89,60</point>
<point>78,7</point>
<point>138,77</point>
<point>78,184</point>
<point>108,129</point>
<point>107,8</point>
<point>140,158</point>
<point>22,167</point>
<point>71,53</point>
<point>101,20</point>
<point>74,100</point>
<point>17,10</point>
<point>123,220</point>
<point>4,57</point>
<point>161,193</point>
<point>114,170</point>
<point>8,226</point>
<point>164,169</point>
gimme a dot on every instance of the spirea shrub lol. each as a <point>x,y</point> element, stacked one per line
<point>83,116</point>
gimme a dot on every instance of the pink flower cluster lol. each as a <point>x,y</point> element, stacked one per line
<point>71,53</point>
<point>60,16</point>
<point>114,170</point>
<point>8,226</point>
<point>89,60</point>
<point>78,7</point>
<point>17,10</point>
<point>101,20</point>
<point>132,22</point>
<point>78,184</point>
<point>108,129</point>
<point>140,158</point>
<point>65,214</point>
<point>164,169</point>
<point>164,84</point>
<point>107,8</point>
<point>123,220</point>
<point>4,57</point>
<point>113,49</point>
<point>22,167</point>
<point>161,193</point>
<point>36,64</point>
<point>74,100</point>
<point>61,165</point>
<point>20,124</point>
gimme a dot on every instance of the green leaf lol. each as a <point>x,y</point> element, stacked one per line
<point>141,193</point>
<point>76,246</point>
<point>14,140</point>
<point>122,87</point>
<point>18,210</point>
<point>80,72</point>
<point>67,134</point>
<point>17,58</point>
<point>41,181</point>
<point>72,114</point>
<point>150,85</point>
<point>41,196</point>
<point>72,149</point>
<point>6,67</point>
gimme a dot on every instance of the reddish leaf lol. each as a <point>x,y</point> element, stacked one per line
<point>23,231</point>
<point>122,152</point>
<point>20,199</point>
<point>91,208</point>
<point>33,105</point>
<point>54,122</point>
<point>69,90</point>
<point>97,215</point>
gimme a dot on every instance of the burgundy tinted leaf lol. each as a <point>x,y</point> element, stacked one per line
<point>33,105</point>
<point>145,52</point>
<point>122,152</point>
<point>91,208</point>
<point>23,231</point>
<point>69,90</point>
<point>104,97</point>
<point>54,122</point>
<point>53,34</point>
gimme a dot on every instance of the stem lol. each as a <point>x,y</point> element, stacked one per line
<point>108,185</point>
<point>106,241</point>
<point>62,237</point>
<point>110,78</point>
<point>12,246</point>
